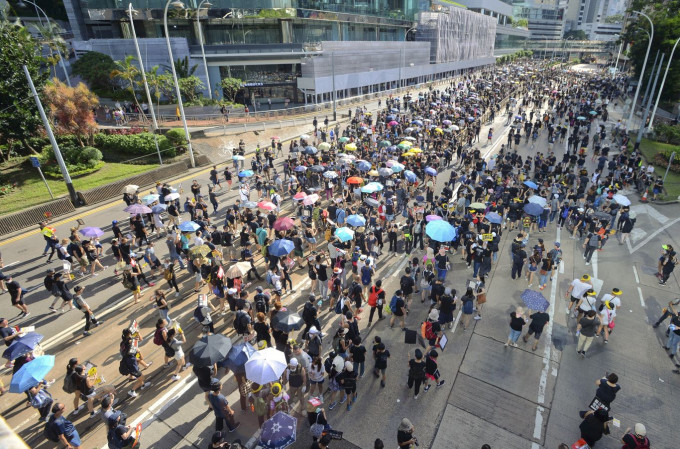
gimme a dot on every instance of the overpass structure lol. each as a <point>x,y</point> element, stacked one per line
<point>562,48</point>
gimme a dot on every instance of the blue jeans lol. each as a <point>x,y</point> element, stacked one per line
<point>359,367</point>
<point>441,274</point>
<point>543,279</point>
<point>514,335</point>
<point>476,266</point>
<point>673,340</point>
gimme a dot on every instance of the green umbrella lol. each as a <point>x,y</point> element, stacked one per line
<point>343,139</point>
<point>385,143</point>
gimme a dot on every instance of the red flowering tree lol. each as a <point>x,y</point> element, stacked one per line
<point>71,109</point>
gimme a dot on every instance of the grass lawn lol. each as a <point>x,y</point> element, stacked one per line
<point>31,190</point>
<point>649,149</point>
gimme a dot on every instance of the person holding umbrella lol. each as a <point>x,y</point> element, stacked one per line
<point>220,405</point>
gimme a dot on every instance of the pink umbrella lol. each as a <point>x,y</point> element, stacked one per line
<point>284,224</point>
<point>393,123</point>
<point>433,218</point>
<point>300,196</point>
<point>266,205</point>
<point>310,199</point>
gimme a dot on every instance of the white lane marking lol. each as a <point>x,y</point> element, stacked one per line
<point>658,216</point>
<point>642,299</point>
<point>455,324</point>
<point>637,278</point>
<point>653,234</point>
<point>593,261</point>
<point>637,234</point>
<point>10,264</point>
<point>399,267</point>
<point>535,446</point>
<point>538,422</point>
<point>559,239</point>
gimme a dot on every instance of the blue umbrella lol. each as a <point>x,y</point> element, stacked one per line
<point>531,184</point>
<point>278,432</point>
<point>150,198</point>
<point>494,218</point>
<point>410,176</point>
<point>158,208</point>
<point>430,171</point>
<point>189,226</point>
<point>535,300</point>
<point>300,168</point>
<point>310,150</point>
<point>441,231</point>
<point>356,220</point>
<point>317,168</point>
<point>345,234</point>
<point>281,247</point>
<point>31,374</point>
<point>394,110</point>
<point>249,205</point>
<point>245,174</point>
<point>92,232</point>
<point>22,345</point>
<point>417,122</point>
<point>364,165</point>
<point>390,117</point>
<point>237,357</point>
<point>533,209</point>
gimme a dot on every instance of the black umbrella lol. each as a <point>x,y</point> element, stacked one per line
<point>602,216</point>
<point>287,321</point>
<point>209,350</point>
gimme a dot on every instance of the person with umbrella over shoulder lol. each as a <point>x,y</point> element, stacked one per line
<point>220,405</point>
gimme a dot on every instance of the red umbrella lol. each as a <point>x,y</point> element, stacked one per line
<point>300,196</point>
<point>284,224</point>
<point>355,180</point>
<point>266,205</point>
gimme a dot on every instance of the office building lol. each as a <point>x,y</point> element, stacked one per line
<point>546,17</point>
<point>509,36</point>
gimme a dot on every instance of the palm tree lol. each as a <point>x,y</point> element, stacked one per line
<point>51,35</point>
<point>182,68</point>
<point>127,73</point>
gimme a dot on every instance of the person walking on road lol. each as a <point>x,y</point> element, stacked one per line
<point>220,405</point>
<point>576,290</point>
<point>62,430</point>
<point>517,322</point>
<point>380,354</point>
<point>538,321</point>
<point>585,331</point>
<point>607,319</point>
<point>595,424</point>
<point>669,311</point>
<point>636,438</point>
<point>416,372</point>
<point>607,387</point>
<point>16,294</point>
<point>405,438</point>
<point>586,303</point>
<point>432,370</point>
<point>81,304</point>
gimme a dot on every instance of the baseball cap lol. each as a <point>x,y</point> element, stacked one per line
<point>557,244</point>
<point>293,362</point>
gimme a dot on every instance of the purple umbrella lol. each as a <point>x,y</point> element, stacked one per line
<point>433,218</point>
<point>91,232</point>
<point>135,209</point>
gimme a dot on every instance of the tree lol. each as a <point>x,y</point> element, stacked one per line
<point>231,88</point>
<point>578,35</point>
<point>19,118</point>
<point>51,35</point>
<point>182,68</point>
<point>128,74</point>
<point>614,18</point>
<point>95,68</point>
<point>71,109</point>
<point>190,87</point>
<point>159,85</point>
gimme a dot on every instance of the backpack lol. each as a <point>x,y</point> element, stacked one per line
<point>373,296</point>
<point>365,275</point>
<point>158,337</point>
<point>49,431</point>
<point>69,386</point>
<point>644,444</point>
<point>308,312</point>
<point>593,240</point>
<point>198,316</point>
<point>393,303</point>
<point>60,255</point>
<point>123,367</point>
<point>339,305</point>
<point>260,303</point>
<point>328,363</point>
<point>76,303</point>
<point>241,322</point>
<point>426,331</point>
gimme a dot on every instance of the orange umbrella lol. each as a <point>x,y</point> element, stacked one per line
<point>355,180</point>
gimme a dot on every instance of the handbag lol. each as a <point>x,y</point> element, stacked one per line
<point>317,429</point>
<point>611,322</point>
<point>580,444</point>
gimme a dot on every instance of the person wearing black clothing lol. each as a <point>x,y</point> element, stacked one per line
<point>595,424</point>
<point>607,387</point>
<point>538,322</point>
<point>416,372</point>
<point>405,436</point>
<point>406,284</point>
<point>392,238</point>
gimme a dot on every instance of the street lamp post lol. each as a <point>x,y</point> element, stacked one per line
<point>177,4</point>
<point>61,58</point>
<point>53,141</point>
<point>408,31</point>
<point>566,45</point>
<point>200,39</point>
<point>663,81</point>
<point>131,12</point>
<point>645,114</point>
<point>335,92</point>
<point>644,66</point>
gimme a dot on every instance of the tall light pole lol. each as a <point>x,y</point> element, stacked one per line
<point>408,31</point>
<point>53,141</point>
<point>132,12</point>
<point>335,92</point>
<point>200,39</point>
<point>177,4</point>
<point>644,66</point>
<point>566,45</point>
<point>663,81</point>
<point>618,55</point>
<point>22,4</point>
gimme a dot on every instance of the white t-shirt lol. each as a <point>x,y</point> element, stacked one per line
<point>579,288</point>
<point>588,303</point>
<point>607,316</point>
<point>613,300</point>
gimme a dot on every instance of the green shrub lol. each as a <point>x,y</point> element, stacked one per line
<point>78,160</point>
<point>177,138</point>
<point>131,145</point>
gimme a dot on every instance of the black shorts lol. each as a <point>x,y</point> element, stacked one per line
<point>18,301</point>
<point>535,333</point>
<point>574,299</point>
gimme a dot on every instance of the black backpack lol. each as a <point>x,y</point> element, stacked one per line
<point>261,303</point>
<point>241,322</point>
<point>328,363</point>
<point>69,386</point>
<point>308,312</point>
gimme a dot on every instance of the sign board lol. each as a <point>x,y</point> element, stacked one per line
<point>487,237</point>
<point>35,162</point>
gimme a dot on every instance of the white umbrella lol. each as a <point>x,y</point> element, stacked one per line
<point>266,366</point>
<point>538,200</point>
<point>172,196</point>
<point>621,199</point>
<point>130,189</point>
<point>310,199</point>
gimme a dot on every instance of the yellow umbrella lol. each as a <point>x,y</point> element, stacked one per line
<point>415,150</point>
<point>405,142</point>
<point>202,250</point>
<point>373,173</point>
<point>407,154</point>
<point>439,130</point>
<point>351,147</point>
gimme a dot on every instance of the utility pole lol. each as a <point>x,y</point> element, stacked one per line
<point>649,104</point>
<point>53,141</point>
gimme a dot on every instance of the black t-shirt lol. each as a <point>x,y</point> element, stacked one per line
<point>400,304</point>
<point>441,261</point>
<point>538,321</point>
<point>516,323</point>
<point>13,288</point>
<point>381,359</point>
<point>321,273</point>
<point>446,304</point>
<point>632,442</point>
<point>605,392</point>
<point>403,437</point>
<point>406,283</point>
<point>358,353</point>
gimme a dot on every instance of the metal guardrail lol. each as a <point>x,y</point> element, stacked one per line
<point>34,215</point>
